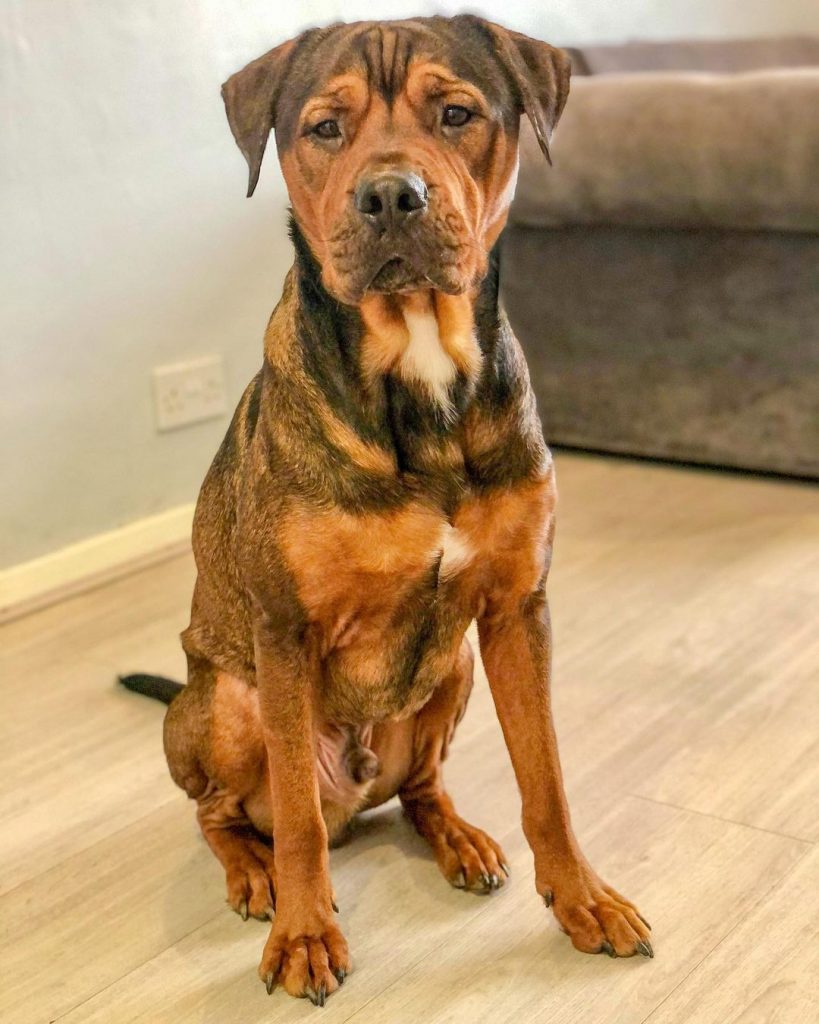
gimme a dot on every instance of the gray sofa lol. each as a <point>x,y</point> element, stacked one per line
<point>663,276</point>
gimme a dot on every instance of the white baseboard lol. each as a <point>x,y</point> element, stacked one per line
<point>31,585</point>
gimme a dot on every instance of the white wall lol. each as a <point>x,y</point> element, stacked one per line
<point>127,241</point>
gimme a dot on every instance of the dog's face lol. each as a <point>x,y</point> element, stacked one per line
<point>398,143</point>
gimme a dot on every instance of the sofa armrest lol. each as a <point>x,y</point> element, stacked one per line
<point>680,150</point>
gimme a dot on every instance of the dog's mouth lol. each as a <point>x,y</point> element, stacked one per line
<point>398,275</point>
<point>365,265</point>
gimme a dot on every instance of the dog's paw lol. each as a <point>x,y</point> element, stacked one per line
<point>596,917</point>
<point>251,882</point>
<point>468,857</point>
<point>310,963</point>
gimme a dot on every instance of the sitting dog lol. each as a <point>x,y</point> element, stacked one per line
<point>384,482</point>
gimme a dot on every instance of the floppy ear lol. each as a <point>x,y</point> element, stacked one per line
<point>250,101</point>
<point>541,75</point>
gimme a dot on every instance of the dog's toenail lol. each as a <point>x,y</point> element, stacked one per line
<point>607,947</point>
<point>645,949</point>
<point>548,897</point>
<point>269,982</point>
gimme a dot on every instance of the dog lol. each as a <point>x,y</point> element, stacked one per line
<point>384,482</point>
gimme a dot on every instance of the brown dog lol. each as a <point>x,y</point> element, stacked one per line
<point>383,483</point>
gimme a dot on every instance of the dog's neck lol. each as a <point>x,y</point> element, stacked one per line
<point>379,432</point>
<point>431,342</point>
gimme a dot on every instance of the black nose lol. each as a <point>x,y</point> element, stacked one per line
<point>389,198</point>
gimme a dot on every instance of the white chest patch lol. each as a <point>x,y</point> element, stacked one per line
<point>457,553</point>
<point>424,359</point>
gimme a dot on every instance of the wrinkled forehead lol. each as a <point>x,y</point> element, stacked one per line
<point>383,54</point>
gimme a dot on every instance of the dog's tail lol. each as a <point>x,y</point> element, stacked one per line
<point>157,687</point>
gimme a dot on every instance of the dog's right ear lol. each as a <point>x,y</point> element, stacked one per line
<point>250,101</point>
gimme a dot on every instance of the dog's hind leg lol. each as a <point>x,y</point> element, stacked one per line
<point>467,856</point>
<point>215,753</point>
<point>250,871</point>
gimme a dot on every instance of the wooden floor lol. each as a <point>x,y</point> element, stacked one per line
<point>686,612</point>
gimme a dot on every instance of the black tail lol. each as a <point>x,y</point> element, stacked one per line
<point>157,687</point>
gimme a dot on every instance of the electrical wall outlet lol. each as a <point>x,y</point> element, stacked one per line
<point>189,392</point>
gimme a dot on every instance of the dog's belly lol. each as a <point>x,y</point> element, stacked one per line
<point>350,775</point>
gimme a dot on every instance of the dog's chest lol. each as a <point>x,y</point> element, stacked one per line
<point>380,591</point>
<point>389,595</point>
<point>354,567</point>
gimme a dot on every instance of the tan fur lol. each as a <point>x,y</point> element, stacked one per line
<point>386,335</point>
<point>368,456</point>
<point>510,531</point>
<point>456,319</point>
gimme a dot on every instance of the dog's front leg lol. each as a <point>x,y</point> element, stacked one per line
<point>305,951</point>
<point>516,650</point>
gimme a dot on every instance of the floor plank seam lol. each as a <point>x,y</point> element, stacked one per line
<point>725,821</point>
<point>779,882</point>
<point>134,969</point>
<point>86,849</point>
<point>425,956</point>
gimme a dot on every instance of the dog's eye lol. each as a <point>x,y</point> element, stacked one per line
<point>328,129</point>
<point>456,117</point>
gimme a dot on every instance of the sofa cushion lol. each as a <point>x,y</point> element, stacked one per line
<point>728,55</point>
<point>680,149</point>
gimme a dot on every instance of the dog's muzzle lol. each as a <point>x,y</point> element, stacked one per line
<point>389,199</point>
<point>389,203</point>
<point>395,239</point>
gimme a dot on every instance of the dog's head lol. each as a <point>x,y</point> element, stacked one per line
<point>398,142</point>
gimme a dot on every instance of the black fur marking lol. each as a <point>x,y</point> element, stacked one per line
<point>422,606</point>
<point>253,405</point>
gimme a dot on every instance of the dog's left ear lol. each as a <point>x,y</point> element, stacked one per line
<point>250,102</point>
<point>541,76</point>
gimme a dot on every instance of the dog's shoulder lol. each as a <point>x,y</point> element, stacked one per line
<point>502,432</point>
